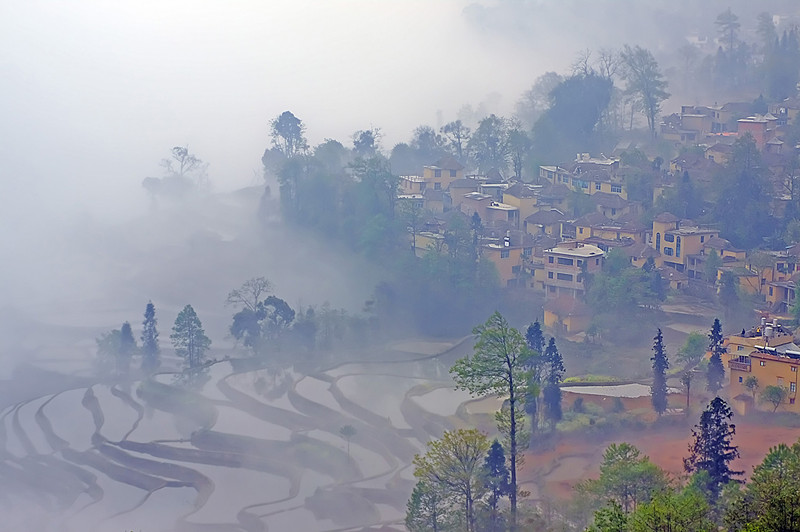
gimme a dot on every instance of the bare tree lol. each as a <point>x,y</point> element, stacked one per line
<point>250,294</point>
<point>645,82</point>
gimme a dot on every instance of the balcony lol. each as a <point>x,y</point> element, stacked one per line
<point>739,366</point>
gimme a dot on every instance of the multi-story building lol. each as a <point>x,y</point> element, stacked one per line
<point>509,256</point>
<point>769,354</point>
<point>675,242</point>
<point>564,267</point>
<point>588,175</point>
<point>436,176</point>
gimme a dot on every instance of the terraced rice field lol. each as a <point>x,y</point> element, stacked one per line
<point>250,452</point>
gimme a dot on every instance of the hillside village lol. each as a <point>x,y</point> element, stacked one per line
<point>537,241</point>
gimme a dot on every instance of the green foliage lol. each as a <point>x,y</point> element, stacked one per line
<point>553,368</point>
<point>743,196</point>
<point>496,477</point>
<point>693,349</point>
<point>627,478</point>
<point>682,200</point>
<point>715,372</point>
<point>644,82</point>
<point>713,263</point>
<point>489,146</point>
<point>776,395</point>
<point>670,511</point>
<point>428,509</point>
<point>712,450</point>
<point>570,125</point>
<point>108,350</point>
<point>189,339</point>
<point>621,292</point>
<point>498,367</point>
<point>150,349</point>
<point>658,391</point>
<point>751,383</point>
<point>453,465</point>
<point>288,134</point>
<point>771,499</point>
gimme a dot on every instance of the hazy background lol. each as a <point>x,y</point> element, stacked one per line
<point>93,94</point>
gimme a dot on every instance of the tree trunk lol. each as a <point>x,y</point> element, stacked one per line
<point>513,437</point>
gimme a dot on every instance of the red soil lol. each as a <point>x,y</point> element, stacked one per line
<point>578,457</point>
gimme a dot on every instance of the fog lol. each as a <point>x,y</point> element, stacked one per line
<point>95,94</point>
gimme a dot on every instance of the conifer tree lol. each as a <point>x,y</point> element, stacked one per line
<point>553,375</point>
<point>658,391</point>
<point>189,339</point>
<point>150,349</point>
<point>127,346</point>
<point>535,340</point>
<point>712,450</point>
<point>497,482</point>
<point>715,374</point>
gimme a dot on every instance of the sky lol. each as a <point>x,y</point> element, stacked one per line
<point>95,93</point>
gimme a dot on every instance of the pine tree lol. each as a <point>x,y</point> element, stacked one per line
<point>535,340</point>
<point>150,349</point>
<point>715,374</point>
<point>658,391</point>
<point>553,375</point>
<point>127,346</point>
<point>497,482</point>
<point>189,339</point>
<point>534,337</point>
<point>712,450</point>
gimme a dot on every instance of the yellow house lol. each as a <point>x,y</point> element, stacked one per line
<point>771,367</point>
<point>545,223</point>
<point>437,176</point>
<point>675,242</point>
<point>566,315</point>
<point>510,257</point>
<point>564,267</point>
<point>524,197</point>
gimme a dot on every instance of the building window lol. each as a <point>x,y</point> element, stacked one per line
<point>552,289</point>
<point>564,277</point>
<point>596,262</point>
<point>504,254</point>
<point>740,379</point>
<point>422,187</point>
<point>762,363</point>
<point>791,400</point>
<point>515,269</point>
<point>668,251</point>
<point>794,369</point>
<point>669,238</point>
<point>613,211</point>
<point>580,230</point>
<point>527,252</point>
<point>793,387</point>
<point>452,173</point>
<point>580,262</point>
<point>565,262</point>
<point>702,239</point>
<point>616,189</point>
<point>740,348</point>
<point>437,173</point>
<point>598,186</point>
<point>437,186</point>
<point>658,241</point>
<point>678,247</point>
<point>550,260</point>
<point>549,275</point>
<point>770,290</point>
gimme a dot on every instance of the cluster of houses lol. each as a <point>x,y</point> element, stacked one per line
<point>535,244</point>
